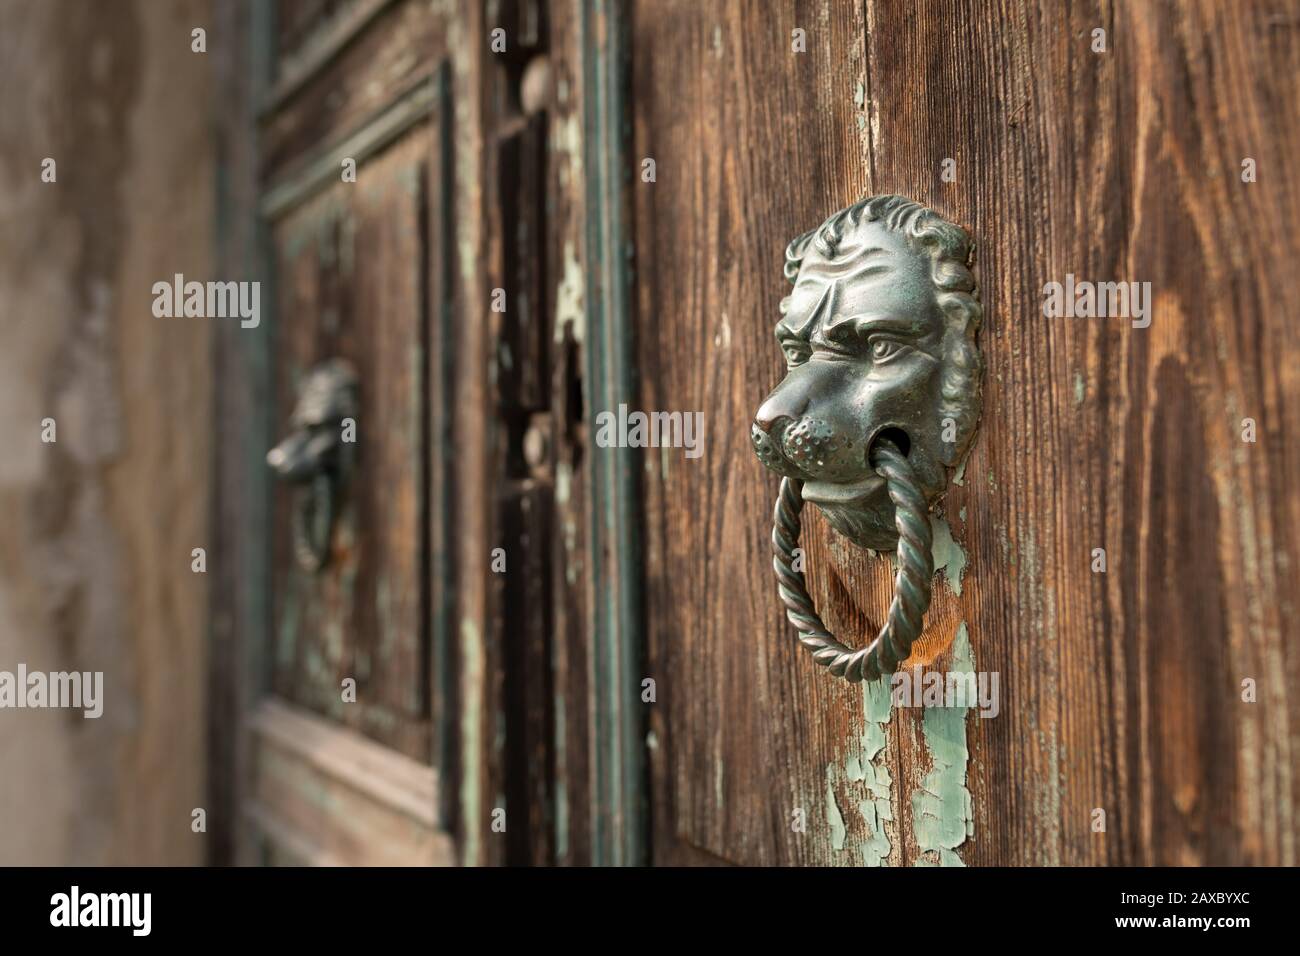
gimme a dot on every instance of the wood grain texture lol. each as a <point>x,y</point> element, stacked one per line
<point>1120,691</point>
<point>753,144</point>
<point>391,47</point>
<point>478,655</point>
<point>572,729</point>
<point>326,796</point>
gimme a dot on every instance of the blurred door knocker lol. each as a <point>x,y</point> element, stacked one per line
<point>881,397</point>
<point>317,457</point>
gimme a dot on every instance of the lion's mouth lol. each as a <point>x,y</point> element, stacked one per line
<point>868,524</point>
<point>842,492</point>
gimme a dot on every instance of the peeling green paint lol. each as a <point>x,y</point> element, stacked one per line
<point>1080,389</point>
<point>868,770</point>
<point>569,529</point>
<point>834,819</point>
<point>948,554</point>
<point>568,297</point>
<point>859,102</point>
<point>568,143</point>
<point>876,807</point>
<point>942,810</point>
<point>471,731</point>
<point>561,771</point>
<point>563,475</point>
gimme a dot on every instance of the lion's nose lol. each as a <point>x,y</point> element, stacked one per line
<point>783,405</point>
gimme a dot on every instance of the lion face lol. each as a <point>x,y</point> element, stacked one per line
<point>869,349</point>
<point>326,396</point>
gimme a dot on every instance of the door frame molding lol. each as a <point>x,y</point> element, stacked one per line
<point>619,817</point>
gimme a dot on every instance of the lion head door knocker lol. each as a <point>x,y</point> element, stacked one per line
<point>881,398</point>
<point>317,456</point>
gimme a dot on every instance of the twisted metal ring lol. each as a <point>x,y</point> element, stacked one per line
<point>911,583</point>
<point>313,521</point>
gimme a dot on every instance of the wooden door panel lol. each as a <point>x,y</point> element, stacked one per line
<point>326,796</point>
<point>1119,691</point>
<point>361,273</point>
<point>350,283</point>
<point>348,65</point>
<point>746,725</point>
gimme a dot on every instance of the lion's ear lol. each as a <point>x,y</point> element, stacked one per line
<point>794,254</point>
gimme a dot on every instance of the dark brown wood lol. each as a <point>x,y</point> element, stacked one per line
<point>1120,691</point>
<point>526,488</point>
<point>570,571</point>
<point>395,49</point>
<point>480,756</point>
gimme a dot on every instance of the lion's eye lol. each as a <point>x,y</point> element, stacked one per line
<point>796,353</point>
<point>883,349</point>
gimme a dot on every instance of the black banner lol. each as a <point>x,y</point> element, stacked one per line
<point>441,906</point>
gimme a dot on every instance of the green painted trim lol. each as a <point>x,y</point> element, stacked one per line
<point>259,345</point>
<point>442,572</point>
<point>619,818</point>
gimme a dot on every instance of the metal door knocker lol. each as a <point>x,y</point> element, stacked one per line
<point>882,396</point>
<point>317,456</point>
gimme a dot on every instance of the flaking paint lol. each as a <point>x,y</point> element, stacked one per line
<point>942,809</point>
<point>949,556</point>
<point>865,776</point>
<point>568,298</point>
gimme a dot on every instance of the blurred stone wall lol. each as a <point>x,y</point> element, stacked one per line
<point>96,529</point>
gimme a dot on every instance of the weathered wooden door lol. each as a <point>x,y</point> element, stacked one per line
<point>569,649</point>
<point>354,143</point>
<point>1144,714</point>
<point>428,210</point>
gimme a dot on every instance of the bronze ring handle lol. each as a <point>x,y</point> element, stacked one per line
<point>882,382</point>
<point>317,457</point>
<point>906,616</point>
